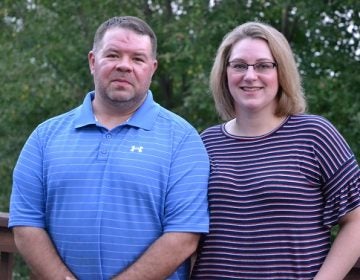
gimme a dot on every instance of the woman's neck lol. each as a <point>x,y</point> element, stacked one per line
<point>252,126</point>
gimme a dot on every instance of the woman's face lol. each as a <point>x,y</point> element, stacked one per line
<point>254,90</point>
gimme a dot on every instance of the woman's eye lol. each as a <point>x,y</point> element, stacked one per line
<point>240,66</point>
<point>264,65</point>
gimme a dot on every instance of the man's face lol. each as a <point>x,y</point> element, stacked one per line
<point>122,66</point>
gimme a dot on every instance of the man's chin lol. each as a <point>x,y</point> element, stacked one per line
<point>121,95</point>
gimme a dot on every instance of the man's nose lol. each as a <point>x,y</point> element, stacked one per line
<point>123,64</point>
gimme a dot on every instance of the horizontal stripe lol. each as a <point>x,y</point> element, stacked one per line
<point>273,199</point>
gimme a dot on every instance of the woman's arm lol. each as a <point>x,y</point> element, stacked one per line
<point>345,250</point>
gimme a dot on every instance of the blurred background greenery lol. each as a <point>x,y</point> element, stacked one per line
<point>44,68</point>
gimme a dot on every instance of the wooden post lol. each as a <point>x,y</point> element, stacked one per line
<point>354,273</point>
<point>7,248</point>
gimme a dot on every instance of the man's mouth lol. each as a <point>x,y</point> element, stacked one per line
<point>121,81</point>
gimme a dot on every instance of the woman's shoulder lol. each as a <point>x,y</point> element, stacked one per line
<point>315,127</point>
<point>316,122</point>
<point>211,130</point>
<point>308,118</point>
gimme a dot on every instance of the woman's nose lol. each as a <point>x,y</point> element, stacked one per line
<point>250,73</point>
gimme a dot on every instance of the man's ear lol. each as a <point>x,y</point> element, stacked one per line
<point>155,65</point>
<point>91,60</point>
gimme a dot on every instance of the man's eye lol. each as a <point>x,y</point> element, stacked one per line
<point>139,59</point>
<point>111,55</point>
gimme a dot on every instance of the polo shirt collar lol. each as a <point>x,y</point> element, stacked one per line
<point>144,117</point>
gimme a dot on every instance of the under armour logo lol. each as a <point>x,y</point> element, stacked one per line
<point>139,149</point>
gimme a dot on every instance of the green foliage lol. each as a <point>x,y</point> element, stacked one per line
<point>45,43</point>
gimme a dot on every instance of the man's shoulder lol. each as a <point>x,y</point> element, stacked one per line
<point>61,121</point>
<point>173,119</point>
<point>61,117</point>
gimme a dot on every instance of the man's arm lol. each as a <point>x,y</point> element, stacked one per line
<point>39,253</point>
<point>162,258</point>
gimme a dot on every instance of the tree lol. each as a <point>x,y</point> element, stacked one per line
<point>45,45</point>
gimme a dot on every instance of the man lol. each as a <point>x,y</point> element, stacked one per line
<point>116,188</point>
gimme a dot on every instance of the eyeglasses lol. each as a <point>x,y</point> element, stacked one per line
<point>260,67</point>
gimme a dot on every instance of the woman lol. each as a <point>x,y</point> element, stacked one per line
<point>280,178</point>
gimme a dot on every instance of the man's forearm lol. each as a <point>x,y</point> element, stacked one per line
<point>162,258</point>
<point>39,253</point>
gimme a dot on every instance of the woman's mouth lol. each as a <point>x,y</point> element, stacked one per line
<point>251,88</point>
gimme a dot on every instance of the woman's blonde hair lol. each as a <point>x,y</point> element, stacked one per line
<point>290,96</point>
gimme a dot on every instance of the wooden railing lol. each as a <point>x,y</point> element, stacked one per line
<point>354,273</point>
<point>8,249</point>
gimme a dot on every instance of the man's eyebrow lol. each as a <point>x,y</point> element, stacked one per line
<point>139,52</point>
<point>110,50</point>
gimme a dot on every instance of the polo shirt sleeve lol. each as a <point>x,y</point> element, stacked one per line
<point>186,207</point>
<point>27,197</point>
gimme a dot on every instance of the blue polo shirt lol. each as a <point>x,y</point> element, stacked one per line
<point>105,195</point>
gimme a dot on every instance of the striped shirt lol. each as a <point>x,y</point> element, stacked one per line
<point>274,198</point>
<point>105,196</point>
